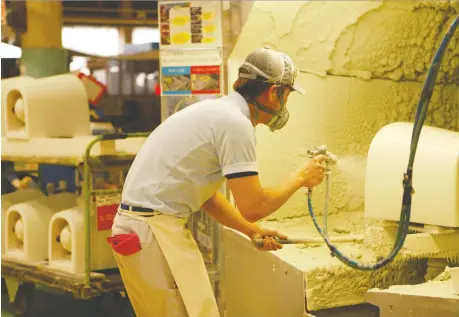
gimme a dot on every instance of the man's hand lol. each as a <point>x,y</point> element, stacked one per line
<point>312,173</point>
<point>268,235</point>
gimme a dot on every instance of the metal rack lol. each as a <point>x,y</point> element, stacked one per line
<point>91,284</point>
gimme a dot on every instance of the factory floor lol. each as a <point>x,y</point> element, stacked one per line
<point>47,304</point>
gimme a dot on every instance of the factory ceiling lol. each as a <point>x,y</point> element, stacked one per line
<point>113,13</point>
<point>94,12</point>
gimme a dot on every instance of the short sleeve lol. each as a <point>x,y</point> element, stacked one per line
<point>235,144</point>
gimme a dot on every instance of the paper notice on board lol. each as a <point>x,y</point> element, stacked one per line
<point>180,57</point>
<point>180,25</point>
<point>189,23</point>
<point>194,80</point>
<point>209,24</point>
<point>176,80</point>
<point>205,80</point>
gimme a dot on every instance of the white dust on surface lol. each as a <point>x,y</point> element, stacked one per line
<point>330,283</point>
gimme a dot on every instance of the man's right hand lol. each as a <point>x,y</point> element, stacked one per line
<point>312,173</point>
<point>268,237</point>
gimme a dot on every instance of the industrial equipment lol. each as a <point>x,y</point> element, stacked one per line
<point>408,191</point>
<point>130,102</point>
<point>13,198</point>
<point>33,108</point>
<point>26,227</point>
<point>385,161</point>
<point>318,283</point>
<point>66,237</point>
<point>58,239</point>
<point>77,255</point>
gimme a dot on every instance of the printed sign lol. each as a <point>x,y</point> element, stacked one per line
<point>191,80</point>
<point>107,206</point>
<point>205,80</point>
<point>176,80</point>
<point>189,23</point>
<point>105,217</point>
<point>201,57</point>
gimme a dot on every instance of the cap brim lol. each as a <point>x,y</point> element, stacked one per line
<point>297,88</point>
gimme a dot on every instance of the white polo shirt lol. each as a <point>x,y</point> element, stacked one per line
<point>185,160</point>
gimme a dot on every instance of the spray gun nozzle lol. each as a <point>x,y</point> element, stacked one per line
<point>322,150</point>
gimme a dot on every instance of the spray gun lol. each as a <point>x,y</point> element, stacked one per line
<point>322,150</point>
<point>332,160</point>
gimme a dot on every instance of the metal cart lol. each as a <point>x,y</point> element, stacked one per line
<point>91,284</point>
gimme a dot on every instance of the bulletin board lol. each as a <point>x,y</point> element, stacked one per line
<point>191,59</point>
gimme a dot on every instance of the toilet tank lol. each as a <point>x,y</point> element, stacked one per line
<point>435,175</point>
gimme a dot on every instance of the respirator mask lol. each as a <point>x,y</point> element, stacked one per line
<point>280,117</point>
<point>286,78</point>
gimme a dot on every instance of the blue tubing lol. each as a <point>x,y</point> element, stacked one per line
<point>405,213</point>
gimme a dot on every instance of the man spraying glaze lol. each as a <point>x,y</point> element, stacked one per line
<point>180,169</point>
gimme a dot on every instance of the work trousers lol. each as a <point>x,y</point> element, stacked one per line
<point>146,275</point>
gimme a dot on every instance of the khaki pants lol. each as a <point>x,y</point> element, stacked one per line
<point>146,275</point>
<point>169,259</point>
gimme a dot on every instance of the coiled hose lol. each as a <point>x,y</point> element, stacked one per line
<point>405,213</point>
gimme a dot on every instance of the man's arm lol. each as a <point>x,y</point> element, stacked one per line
<point>219,208</point>
<point>235,146</point>
<point>255,202</point>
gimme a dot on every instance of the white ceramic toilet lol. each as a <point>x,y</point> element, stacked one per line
<point>26,226</point>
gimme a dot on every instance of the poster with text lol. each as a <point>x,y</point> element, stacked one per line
<point>176,80</point>
<point>191,80</point>
<point>195,23</point>
<point>205,80</point>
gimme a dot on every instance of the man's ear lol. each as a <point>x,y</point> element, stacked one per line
<point>272,93</point>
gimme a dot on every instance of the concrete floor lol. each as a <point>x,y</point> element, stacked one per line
<point>46,304</point>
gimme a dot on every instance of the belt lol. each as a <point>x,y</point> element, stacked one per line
<point>135,208</point>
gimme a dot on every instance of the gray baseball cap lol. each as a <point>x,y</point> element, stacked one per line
<point>273,67</point>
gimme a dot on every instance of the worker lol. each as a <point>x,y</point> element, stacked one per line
<point>180,169</point>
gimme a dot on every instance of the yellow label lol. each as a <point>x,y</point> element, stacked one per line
<point>207,15</point>
<point>180,20</point>
<point>205,78</point>
<point>209,28</point>
<point>208,40</point>
<point>181,38</point>
<point>168,80</point>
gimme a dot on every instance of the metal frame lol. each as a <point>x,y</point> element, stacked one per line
<point>90,284</point>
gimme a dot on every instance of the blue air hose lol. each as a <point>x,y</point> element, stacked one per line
<point>405,213</point>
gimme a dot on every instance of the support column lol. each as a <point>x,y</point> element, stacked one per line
<point>125,33</point>
<point>42,52</point>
